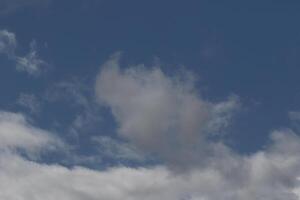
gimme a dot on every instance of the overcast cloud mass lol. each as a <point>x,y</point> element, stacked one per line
<point>169,116</point>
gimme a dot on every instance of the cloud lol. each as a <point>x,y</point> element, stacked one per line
<point>294,115</point>
<point>10,6</point>
<point>8,43</point>
<point>81,98</point>
<point>166,115</point>
<point>17,134</point>
<point>30,102</point>
<point>117,150</point>
<point>265,175</point>
<point>30,63</point>
<point>160,114</point>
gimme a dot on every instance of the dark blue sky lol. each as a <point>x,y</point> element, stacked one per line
<point>247,49</point>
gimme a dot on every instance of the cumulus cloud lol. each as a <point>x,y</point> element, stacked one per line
<point>160,114</point>
<point>30,63</point>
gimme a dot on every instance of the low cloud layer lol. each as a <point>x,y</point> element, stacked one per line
<point>266,175</point>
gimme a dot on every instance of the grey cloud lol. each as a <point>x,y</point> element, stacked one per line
<point>160,114</point>
<point>167,116</point>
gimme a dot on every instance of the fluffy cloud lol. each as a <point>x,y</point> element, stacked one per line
<point>160,114</point>
<point>30,63</point>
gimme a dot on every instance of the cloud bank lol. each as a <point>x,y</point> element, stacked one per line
<point>266,175</point>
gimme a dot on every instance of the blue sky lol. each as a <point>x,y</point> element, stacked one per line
<point>154,88</point>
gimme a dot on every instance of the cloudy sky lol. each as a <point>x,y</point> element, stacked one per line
<point>131,100</point>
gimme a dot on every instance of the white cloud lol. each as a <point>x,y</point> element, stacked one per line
<point>266,175</point>
<point>160,114</point>
<point>17,134</point>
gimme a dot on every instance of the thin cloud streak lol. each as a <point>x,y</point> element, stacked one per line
<point>30,63</point>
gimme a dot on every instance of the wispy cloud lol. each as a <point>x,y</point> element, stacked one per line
<point>30,102</point>
<point>80,97</point>
<point>294,115</point>
<point>117,150</point>
<point>30,63</point>
<point>8,43</point>
<point>10,6</point>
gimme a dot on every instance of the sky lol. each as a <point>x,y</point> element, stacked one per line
<point>130,100</point>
